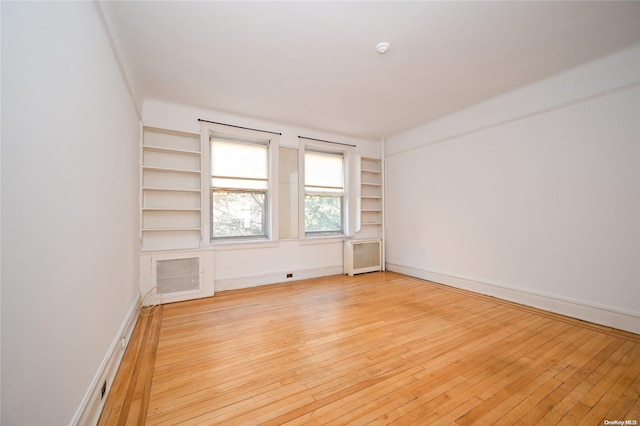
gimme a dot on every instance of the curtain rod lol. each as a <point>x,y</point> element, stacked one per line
<point>240,127</point>
<point>320,140</point>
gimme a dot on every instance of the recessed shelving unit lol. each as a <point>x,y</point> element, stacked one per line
<point>171,179</point>
<point>370,198</point>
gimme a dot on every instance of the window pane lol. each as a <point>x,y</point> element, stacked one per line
<point>322,214</point>
<point>238,214</point>
<point>322,169</point>
<point>238,159</point>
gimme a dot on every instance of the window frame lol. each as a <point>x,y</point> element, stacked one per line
<point>241,135</point>
<point>319,193</point>
<point>347,204</point>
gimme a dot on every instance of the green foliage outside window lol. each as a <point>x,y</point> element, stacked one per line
<point>238,214</point>
<point>322,214</point>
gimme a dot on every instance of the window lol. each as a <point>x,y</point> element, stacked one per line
<point>324,192</point>
<point>239,188</point>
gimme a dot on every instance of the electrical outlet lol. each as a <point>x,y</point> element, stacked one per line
<point>123,342</point>
<point>289,275</point>
<point>103,390</point>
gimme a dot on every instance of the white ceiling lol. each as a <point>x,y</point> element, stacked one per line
<point>314,64</point>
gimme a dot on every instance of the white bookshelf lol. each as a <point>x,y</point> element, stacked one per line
<point>371,203</point>
<point>171,180</point>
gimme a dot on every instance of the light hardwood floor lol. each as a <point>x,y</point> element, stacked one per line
<point>378,348</point>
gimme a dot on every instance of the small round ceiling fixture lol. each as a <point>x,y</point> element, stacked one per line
<point>382,47</point>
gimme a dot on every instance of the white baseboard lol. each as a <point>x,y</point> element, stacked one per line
<point>223,284</point>
<point>603,315</point>
<point>89,411</point>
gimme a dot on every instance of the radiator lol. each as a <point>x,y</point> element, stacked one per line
<point>362,256</point>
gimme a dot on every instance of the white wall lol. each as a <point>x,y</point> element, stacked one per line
<point>243,265</point>
<point>69,207</point>
<point>533,196</point>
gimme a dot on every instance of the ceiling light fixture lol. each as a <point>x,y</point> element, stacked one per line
<point>382,47</point>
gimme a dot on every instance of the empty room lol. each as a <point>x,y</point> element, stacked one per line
<point>291,213</point>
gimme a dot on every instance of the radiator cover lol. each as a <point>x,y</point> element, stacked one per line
<point>171,276</point>
<point>362,256</point>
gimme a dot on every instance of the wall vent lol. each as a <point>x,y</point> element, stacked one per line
<point>176,275</point>
<point>172,276</point>
<point>362,256</point>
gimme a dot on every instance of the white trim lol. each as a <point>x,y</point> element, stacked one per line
<point>227,245</point>
<point>349,209</point>
<point>591,312</point>
<point>272,140</point>
<point>223,284</point>
<point>91,406</point>
<point>383,213</point>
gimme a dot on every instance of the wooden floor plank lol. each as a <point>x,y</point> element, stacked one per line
<point>378,348</point>
<point>556,404</point>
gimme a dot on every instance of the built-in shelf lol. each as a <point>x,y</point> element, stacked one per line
<point>152,209</point>
<point>169,229</point>
<point>370,198</point>
<point>149,188</point>
<point>170,150</point>
<point>171,176</point>
<point>169,170</point>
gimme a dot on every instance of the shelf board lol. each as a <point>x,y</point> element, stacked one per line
<point>371,210</point>
<point>170,150</point>
<point>372,197</point>
<point>153,209</point>
<point>370,223</point>
<point>156,129</point>
<point>169,229</point>
<point>377,172</point>
<point>168,170</point>
<point>147,188</point>
<point>370,184</point>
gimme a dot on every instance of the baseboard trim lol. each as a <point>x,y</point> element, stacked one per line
<point>223,284</point>
<point>602,315</point>
<point>89,411</point>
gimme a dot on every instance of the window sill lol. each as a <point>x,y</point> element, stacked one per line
<point>262,244</point>
<point>242,244</point>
